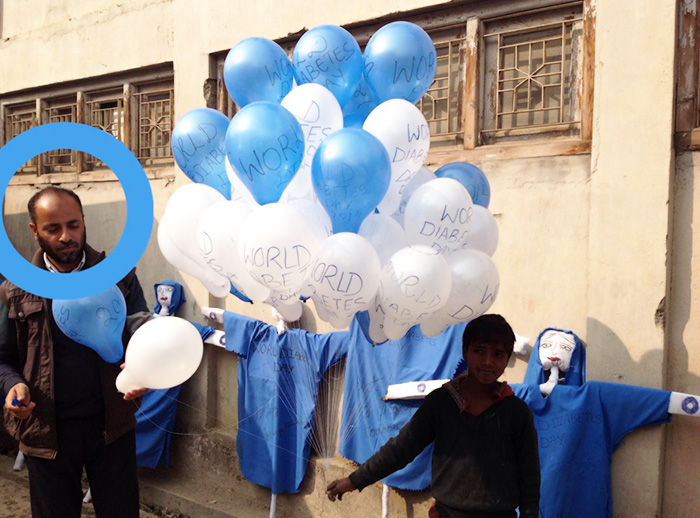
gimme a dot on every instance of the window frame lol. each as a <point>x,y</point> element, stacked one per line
<point>687,123</point>
<point>121,88</point>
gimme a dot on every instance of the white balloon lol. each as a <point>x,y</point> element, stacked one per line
<point>439,215</point>
<point>290,309</point>
<point>376,322</point>
<point>345,277</point>
<point>423,175</point>
<point>316,216</point>
<point>181,217</point>
<point>384,234</point>
<point>277,246</point>
<point>219,287</point>
<point>238,189</point>
<point>217,235</point>
<point>162,353</point>
<point>403,130</point>
<point>483,234</point>
<point>319,114</point>
<point>415,282</point>
<point>475,283</point>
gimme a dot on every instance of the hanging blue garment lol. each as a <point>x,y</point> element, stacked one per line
<point>578,426</point>
<point>278,380</point>
<point>154,422</point>
<point>368,421</point>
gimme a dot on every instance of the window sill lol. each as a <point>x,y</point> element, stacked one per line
<point>687,140</point>
<point>85,177</point>
<point>509,151</point>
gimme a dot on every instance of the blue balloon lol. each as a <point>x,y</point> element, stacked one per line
<point>400,62</point>
<point>350,173</point>
<point>471,177</point>
<point>257,69</point>
<point>199,148</point>
<point>359,106</point>
<point>96,322</point>
<point>328,55</point>
<point>265,146</point>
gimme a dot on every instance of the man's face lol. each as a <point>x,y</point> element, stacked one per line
<point>60,230</point>
<point>165,294</point>
<point>556,349</point>
<point>487,361</point>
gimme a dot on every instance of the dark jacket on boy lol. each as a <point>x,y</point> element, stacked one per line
<point>484,466</point>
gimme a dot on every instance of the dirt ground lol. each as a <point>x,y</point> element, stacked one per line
<point>14,493</point>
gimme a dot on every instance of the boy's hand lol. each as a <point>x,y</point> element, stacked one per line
<point>19,401</point>
<point>338,488</point>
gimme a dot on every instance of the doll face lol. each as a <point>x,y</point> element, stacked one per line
<point>556,349</point>
<point>165,295</point>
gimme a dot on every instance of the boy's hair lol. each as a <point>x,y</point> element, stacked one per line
<point>31,204</point>
<point>488,329</point>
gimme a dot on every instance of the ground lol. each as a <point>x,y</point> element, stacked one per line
<point>14,493</point>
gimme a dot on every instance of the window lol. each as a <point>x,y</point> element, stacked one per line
<point>134,107</point>
<point>18,119</point>
<point>532,77</point>
<point>687,113</point>
<point>155,121</point>
<point>441,103</point>
<point>507,73</point>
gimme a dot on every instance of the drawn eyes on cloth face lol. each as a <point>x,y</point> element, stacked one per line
<point>556,349</point>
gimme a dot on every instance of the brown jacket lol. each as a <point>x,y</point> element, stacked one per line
<point>37,434</point>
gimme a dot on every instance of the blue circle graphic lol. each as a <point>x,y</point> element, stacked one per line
<point>690,405</point>
<point>139,210</point>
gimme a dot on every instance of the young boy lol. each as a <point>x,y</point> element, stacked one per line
<point>485,462</point>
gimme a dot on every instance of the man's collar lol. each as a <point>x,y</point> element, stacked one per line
<point>50,267</point>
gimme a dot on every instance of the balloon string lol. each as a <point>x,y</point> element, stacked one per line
<point>217,430</point>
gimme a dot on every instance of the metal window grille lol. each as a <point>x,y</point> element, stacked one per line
<point>533,76</point>
<point>441,103</point>
<point>155,123</point>
<point>62,157</point>
<point>107,115</point>
<point>18,121</point>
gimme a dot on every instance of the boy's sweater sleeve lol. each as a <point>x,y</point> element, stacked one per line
<point>412,439</point>
<point>528,467</point>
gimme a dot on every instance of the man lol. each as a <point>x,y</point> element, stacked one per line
<point>61,401</point>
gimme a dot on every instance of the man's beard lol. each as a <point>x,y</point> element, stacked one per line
<point>60,256</point>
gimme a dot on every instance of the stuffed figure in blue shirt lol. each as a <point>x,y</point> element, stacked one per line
<point>579,423</point>
<point>156,416</point>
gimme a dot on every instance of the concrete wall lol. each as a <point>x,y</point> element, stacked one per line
<point>583,238</point>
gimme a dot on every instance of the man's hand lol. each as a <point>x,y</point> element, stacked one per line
<point>338,488</point>
<point>133,394</point>
<point>19,401</point>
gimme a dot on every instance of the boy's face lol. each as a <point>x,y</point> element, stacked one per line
<point>487,361</point>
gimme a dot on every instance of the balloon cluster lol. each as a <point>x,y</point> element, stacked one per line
<point>316,188</point>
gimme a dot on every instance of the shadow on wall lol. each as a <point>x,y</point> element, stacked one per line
<point>611,360</point>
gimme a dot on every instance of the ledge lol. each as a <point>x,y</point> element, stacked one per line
<point>528,149</point>
<point>86,177</point>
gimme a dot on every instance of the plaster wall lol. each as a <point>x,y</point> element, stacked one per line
<point>631,167</point>
<point>684,338</point>
<point>582,238</point>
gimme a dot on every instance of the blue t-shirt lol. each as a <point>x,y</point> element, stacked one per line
<point>368,421</point>
<point>278,380</point>
<point>155,419</point>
